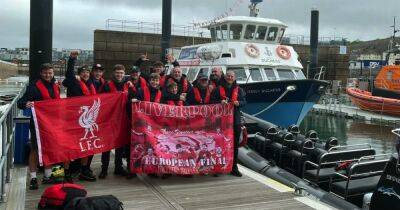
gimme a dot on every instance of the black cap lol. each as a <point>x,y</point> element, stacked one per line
<point>135,69</point>
<point>83,68</point>
<point>97,67</point>
<point>202,76</point>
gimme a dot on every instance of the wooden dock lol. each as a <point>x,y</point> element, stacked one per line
<point>356,113</point>
<point>252,191</point>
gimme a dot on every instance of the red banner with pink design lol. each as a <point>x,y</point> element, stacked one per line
<point>181,139</point>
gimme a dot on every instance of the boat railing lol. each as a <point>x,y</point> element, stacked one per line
<point>320,74</point>
<point>7,134</point>
<point>342,147</point>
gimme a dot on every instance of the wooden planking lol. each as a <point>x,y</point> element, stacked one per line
<point>199,192</point>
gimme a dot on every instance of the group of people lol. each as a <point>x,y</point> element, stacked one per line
<point>157,87</point>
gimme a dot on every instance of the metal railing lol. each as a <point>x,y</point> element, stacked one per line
<point>7,134</point>
<point>155,28</point>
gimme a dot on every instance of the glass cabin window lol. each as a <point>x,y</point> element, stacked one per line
<point>270,74</point>
<point>188,53</point>
<point>261,32</point>
<point>280,35</point>
<point>224,31</point>
<point>272,33</point>
<point>250,31</point>
<point>235,31</point>
<point>219,33</point>
<point>239,72</point>
<point>255,74</point>
<point>300,74</point>
<point>184,71</point>
<point>213,34</point>
<point>286,74</point>
<point>191,75</point>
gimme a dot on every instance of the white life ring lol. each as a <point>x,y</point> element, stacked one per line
<point>252,50</point>
<point>283,52</point>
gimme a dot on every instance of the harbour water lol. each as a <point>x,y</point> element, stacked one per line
<point>350,131</point>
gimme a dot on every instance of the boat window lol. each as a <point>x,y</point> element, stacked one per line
<point>261,32</point>
<point>224,31</point>
<point>235,31</point>
<point>255,74</point>
<point>219,33</point>
<point>213,34</point>
<point>286,74</point>
<point>270,74</point>
<point>272,33</point>
<point>188,53</point>
<point>191,75</point>
<point>280,35</point>
<point>300,74</point>
<point>239,72</point>
<point>250,31</point>
<point>184,71</point>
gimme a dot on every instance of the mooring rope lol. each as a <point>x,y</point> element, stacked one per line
<point>288,89</point>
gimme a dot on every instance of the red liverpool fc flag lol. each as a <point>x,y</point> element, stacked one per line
<point>181,139</point>
<point>72,128</point>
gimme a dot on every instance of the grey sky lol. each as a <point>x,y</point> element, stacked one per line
<point>75,20</point>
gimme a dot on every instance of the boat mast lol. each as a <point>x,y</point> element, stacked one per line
<point>253,8</point>
<point>393,42</point>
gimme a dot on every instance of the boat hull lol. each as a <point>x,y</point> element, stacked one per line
<point>366,101</point>
<point>291,109</point>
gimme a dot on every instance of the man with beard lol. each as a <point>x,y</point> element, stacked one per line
<point>116,84</point>
<point>45,88</point>
<point>230,92</point>
<point>200,94</point>
<point>136,81</point>
<point>183,86</point>
<point>79,85</point>
<point>216,77</point>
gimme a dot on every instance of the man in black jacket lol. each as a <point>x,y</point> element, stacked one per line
<point>79,85</point>
<point>44,88</point>
<point>216,77</point>
<point>230,92</point>
<point>200,94</point>
<point>116,84</point>
<point>96,77</point>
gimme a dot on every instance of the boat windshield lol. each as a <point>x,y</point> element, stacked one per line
<point>269,72</point>
<point>239,72</point>
<point>261,32</point>
<point>272,33</point>
<point>250,31</point>
<point>192,73</point>
<point>255,74</point>
<point>286,74</point>
<point>235,31</point>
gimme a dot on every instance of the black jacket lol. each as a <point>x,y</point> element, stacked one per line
<point>140,94</point>
<point>71,83</point>
<point>216,98</point>
<point>118,85</point>
<point>191,97</point>
<point>175,97</point>
<point>98,84</point>
<point>32,93</point>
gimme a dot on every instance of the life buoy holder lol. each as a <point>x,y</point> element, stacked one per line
<point>243,136</point>
<point>252,50</point>
<point>283,52</point>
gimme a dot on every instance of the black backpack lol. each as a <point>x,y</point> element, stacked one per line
<point>104,202</point>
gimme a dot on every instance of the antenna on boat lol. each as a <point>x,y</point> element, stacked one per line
<point>253,8</point>
<point>395,30</point>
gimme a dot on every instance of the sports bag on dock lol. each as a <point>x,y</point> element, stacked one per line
<point>104,202</point>
<point>58,195</point>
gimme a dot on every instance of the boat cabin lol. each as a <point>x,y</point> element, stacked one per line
<point>249,46</point>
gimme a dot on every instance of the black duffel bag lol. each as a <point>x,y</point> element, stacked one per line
<point>103,202</point>
<point>387,193</point>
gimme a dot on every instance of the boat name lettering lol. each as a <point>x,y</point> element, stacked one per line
<point>392,178</point>
<point>264,91</point>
